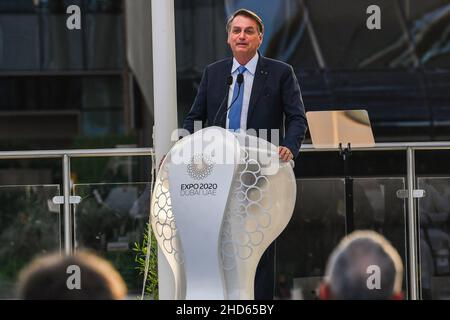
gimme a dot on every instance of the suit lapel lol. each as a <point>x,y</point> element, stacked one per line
<point>259,81</point>
<point>226,73</point>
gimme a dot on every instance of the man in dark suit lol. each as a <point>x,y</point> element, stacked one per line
<point>247,92</point>
<point>270,88</point>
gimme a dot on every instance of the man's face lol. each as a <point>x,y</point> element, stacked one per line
<point>243,37</point>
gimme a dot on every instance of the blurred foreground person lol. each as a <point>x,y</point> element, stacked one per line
<point>364,266</point>
<point>83,276</point>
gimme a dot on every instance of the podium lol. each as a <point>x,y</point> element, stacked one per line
<point>220,199</point>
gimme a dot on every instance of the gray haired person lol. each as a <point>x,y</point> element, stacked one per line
<point>364,266</point>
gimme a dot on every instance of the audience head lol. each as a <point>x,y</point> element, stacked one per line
<point>82,276</point>
<point>364,266</point>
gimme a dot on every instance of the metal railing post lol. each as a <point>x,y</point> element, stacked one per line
<point>413,257</point>
<point>67,216</point>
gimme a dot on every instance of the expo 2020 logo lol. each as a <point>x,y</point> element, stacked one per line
<point>200,167</point>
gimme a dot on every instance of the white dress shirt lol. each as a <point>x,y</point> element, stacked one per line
<point>249,76</point>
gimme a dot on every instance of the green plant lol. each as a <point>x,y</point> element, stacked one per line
<point>151,283</point>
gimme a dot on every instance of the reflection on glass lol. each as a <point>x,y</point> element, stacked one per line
<point>377,207</point>
<point>318,224</point>
<point>315,228</point>
<point>29,226</point>
<point>100,123</point>
<point>109,220</point>
<point>434,210</point>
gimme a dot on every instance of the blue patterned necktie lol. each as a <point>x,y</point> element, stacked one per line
<point>234,115</point>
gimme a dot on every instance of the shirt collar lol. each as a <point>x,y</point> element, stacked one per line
<point>251,65</point>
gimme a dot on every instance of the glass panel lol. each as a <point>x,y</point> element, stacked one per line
<point>110,169</point>
<point>62,48</point>
<point>342,34</point>
<point>318,224</point>
<point>109,220</point>
<point>61,93</point>
<point>19,42</point>
<point>30,224</point>
<point>59,6</point>
<point>377,208</point>
<point>102,92</point>
<point>104,41</point>
<point>104,6</point>
<point>434,210</point>
<point>98,123</point>
<point>35,38</point>
<point>14,6</point>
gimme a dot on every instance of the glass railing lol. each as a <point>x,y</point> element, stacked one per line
<point>434,212</point>
<point>109,219</point>
<point>113,212</point>
<point>30,225</point>
<point>377,207</point>
<point>318,224</point>
<point>315,228</point>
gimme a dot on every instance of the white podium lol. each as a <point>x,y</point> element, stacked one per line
<point>220,199</point>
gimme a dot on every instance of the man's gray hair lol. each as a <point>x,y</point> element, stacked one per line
<point>347,269</point>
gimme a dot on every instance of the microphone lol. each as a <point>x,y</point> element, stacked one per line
<point>239,81</point>
<point>229,83</point>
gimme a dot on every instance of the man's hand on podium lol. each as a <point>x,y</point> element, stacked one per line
<point>285,154</point>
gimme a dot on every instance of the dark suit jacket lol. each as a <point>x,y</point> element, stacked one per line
<point>275,92</point>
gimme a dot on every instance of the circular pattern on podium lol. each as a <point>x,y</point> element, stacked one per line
<point>162,218</point>
<point>248,213</point>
